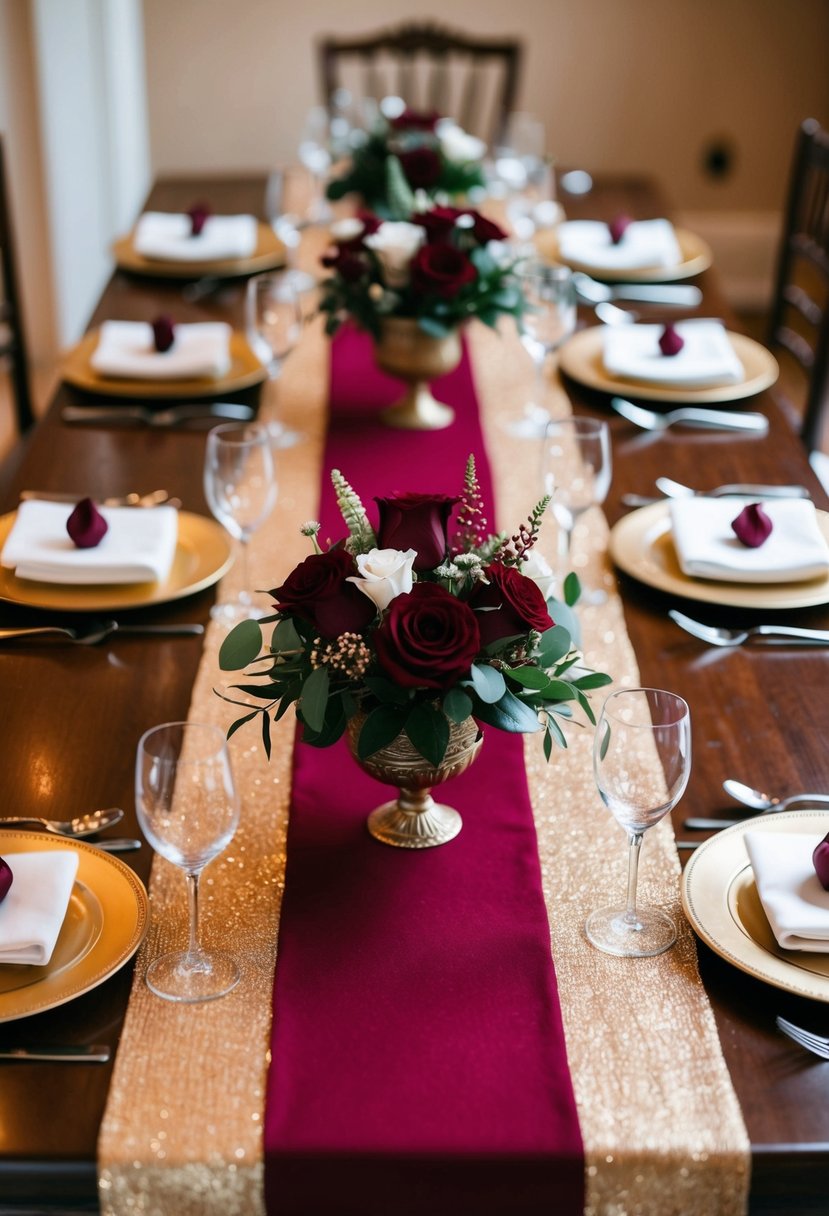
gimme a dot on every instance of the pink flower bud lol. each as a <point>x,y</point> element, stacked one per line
<point>820,860</point>
<point>86,525</point>
<point>670,342</point>
<point>7,878</point>
<point>752,526</point>
<point>618,227</point>
<point>199,215</point>
<point>164,334</point>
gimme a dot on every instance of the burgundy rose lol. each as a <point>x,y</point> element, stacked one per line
<point>317,592</point>
<point>442,270</point>
<point>428,638</point>
<point>422,167</point>
<point>6,879</point>
<point>440,223</point>
<point>349,265</point>
<point>515,604</point>
<point>164,333</point>
<point>415,120</point>
<point>199,214</point>
<point>86,525</point>
<point>416,521</point>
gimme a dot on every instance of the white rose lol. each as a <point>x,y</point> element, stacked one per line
<point>458,145</point>
<point>385,574</point>
<point>395,242</point>
<point>347,229</point>
<point>538,569</point>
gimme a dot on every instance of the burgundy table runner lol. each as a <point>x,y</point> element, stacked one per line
<point>418,1058</point>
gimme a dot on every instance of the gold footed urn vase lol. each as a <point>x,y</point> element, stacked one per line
<point>404,350</point>
<point>414,820</point>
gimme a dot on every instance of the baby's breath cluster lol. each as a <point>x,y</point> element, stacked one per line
<point>348,655</point>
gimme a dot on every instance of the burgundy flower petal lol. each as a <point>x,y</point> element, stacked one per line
<point>752,527</point>
<point>670,342</point>
<point>6,879</point>
<point>820,859</point>
<point>199,215</point>
<point>164,333</point>
<point>618,227</point>
<point>86,525</point>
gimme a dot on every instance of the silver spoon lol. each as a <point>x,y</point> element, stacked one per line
<point>717,420</point>
<point>81,825</point>
<point>715,635</point>
<point>675,489</point>
<point>756,800</point>
<point>96,631</point>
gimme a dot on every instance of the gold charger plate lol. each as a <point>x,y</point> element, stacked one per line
<point>203,554</point>
<point>245,371</point>
<point>581,358</point>
<point>720,899</point>
<point>641,545</point>
<point>268,255</point>
<point>696,257</point>
<point>105,922</point>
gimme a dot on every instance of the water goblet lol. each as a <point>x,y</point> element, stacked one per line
<point>549,319</point>
<point>315,154</point>
<point>188,809</point>
<point>576,469</point>
<point>282,207</point>
<point>273,319</point>
<point>240,487</point>
<point>641,761</point>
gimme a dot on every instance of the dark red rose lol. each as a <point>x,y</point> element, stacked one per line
<point>618,227</point>
<point>416,521</point>
<point>428,638</point>
<point>415,120</point>
<point>347,263</point>
<point>199,215</point>
<point>514,602</point>
<point>86,525</point>
<point>317,592</point>
<point>164,333</point>
<point>6,879</point>
<point>440,223</point>
<point>752,527</point>
<point>670,342</point>
<point>441,270</point>
<point>422,167</point>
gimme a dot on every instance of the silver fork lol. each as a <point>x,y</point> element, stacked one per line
<point>157,418</point>
<point>96,631</point>
<point>818,1044</point>
<point>716,636</point>
<point>715,420</point>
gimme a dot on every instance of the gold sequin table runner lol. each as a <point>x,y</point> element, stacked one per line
<point>662,1129</point>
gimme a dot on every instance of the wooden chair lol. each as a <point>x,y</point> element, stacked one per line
<point>799,325</point>
<point>12,337</point>
<point>473,80</point>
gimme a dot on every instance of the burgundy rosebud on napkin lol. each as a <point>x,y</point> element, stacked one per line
<point>752,527</point>
<point>670,342</point>
<point>7,878</point>
<point>199,215</point>
<point>86,525</point>
<point>820,859</point>
<point>164,333</point>
<point>619,227</point>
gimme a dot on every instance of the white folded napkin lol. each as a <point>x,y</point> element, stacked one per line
<point>706,546</point>
<point>793,899</point>
<point>138,547</point>
<point>32,913</point>
<point>645,244</point>
<point>168,236</point>
<point>126,350</point>
<point>707,359</point>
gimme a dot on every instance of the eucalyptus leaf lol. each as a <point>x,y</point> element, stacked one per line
<point>314,698</point>
<point>596,679</point>
<point>487,682</point>
<point>241,646</point>
<point>572,589</point>
<point>529,677</point>
<point>554,645</point>
<point>285,637</point>
<point>510,714</point>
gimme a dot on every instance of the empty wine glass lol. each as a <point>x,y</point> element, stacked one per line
<point>576,467</point>
<point>641,761</point>
<point>282,198</point>
<point>273,319</point>
<point>240,487</point>
<point>549,319</point>
<point>188,809</point>
<point>315,155</point>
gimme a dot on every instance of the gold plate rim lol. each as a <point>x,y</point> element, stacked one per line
<point>126,914</point>
<point>580,357</point>
<point>269,255</point>
<point>203,539</point>
<point>707,882</point>
<point>245,371</point>
<point>696,257</point>
<point>635,541</point>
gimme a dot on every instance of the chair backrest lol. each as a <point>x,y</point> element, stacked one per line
<point>473,80</point>
<point>12,337</point>
<point>799,324</point>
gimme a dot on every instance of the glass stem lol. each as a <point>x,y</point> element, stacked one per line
<point>540,385</point>
<point>635,842</point>
<point>244,594</point>
<point>193,904</point>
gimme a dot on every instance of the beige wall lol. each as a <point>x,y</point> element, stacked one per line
<point>630,85</point>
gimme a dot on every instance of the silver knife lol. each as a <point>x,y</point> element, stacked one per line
<point>233,410</point>
<point>97,1053</point>
<point>668,293</point>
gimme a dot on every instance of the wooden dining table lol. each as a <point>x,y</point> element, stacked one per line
<point>70,718</point>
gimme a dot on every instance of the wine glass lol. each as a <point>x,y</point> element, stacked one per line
<point>315,155</point>
<point>188,809</point>
<point>240,487</point>
<point>549,318</point>
<point>641,761</point>
<point>273,318</point>
<point>576,468</point>
<point>282,191</point>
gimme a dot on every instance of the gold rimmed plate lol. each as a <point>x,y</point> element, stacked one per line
<point>720,899</point>
<point>245,371</point>
<point>581,358</point>
<point>269,254</point>
<point>695,253</point>
<point>641,544</point>
<point>105,922</point>
<point>203,554</point>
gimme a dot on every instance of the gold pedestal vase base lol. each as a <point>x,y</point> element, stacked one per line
<point>414,821</point>
<point>406,351</point>
<point>418,410</point>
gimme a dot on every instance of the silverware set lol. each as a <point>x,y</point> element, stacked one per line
<point>715,635</point>
<point>85,1053</point>
<point>174,415</point>
<point>96,631</point>
<point>79,828</point>
<point>757,802</point>
<point>818,1044</point>
<point>711,420</point>
<point>675,489</point>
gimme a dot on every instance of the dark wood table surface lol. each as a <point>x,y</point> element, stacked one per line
<point>70,718</point>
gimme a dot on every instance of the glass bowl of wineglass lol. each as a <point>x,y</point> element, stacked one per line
<point>549,319</point>
<point>576,473</point>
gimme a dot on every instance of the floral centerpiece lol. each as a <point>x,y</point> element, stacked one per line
<point>411,637</point>
<point>411,153</point>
